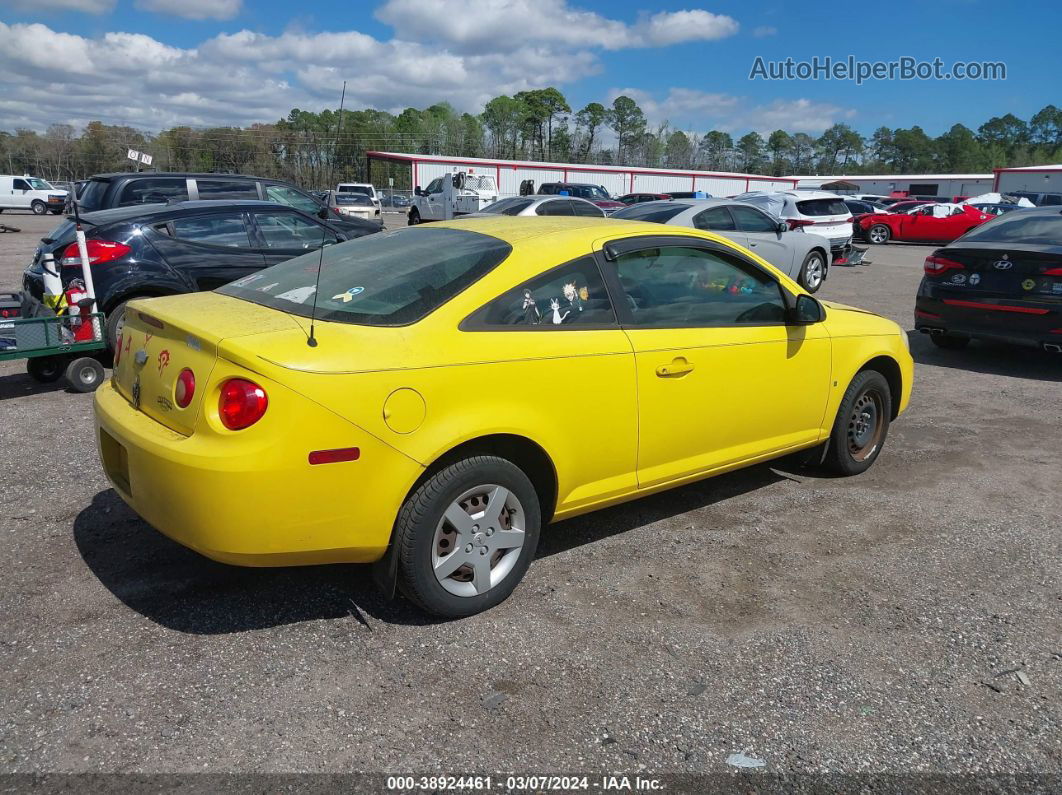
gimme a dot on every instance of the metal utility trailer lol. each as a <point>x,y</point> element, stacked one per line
<point>50,350</point>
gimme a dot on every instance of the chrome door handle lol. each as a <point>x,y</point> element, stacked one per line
<point>679,366</point>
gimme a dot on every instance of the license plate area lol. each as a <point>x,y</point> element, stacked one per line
<point>115,461</point>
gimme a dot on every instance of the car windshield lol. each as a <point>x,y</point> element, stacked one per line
<point>365,190</point>
<point>38,184</point>
<point>657,212</point>
<point>291,197</point>
<point>818,207</point>
<point>591,192</point>
<point>353,198</point>
<point>386,279</point>
<point>512,206</point>
<point>1019,227</point>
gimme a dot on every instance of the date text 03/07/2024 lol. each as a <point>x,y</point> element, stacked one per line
<point>517,783</point>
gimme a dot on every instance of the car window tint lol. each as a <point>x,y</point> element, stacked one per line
<point>225,229</point>
<point>716,219</point>
<point>1020,226</point>
<point>677,286</point>
<point>750,219</point>
<point>558,207</point>
<point>511,206</point>
<point>283,194</point>
<point>658,212</point>
<point>435,186</point>
<point>587,209</point>
<point>822,207</point>
<point>385,279</point>
<point>291,231</point>
<point>153,191</point>
<point>20,184</point>
<point>226,189</point>
<point>567,297</point>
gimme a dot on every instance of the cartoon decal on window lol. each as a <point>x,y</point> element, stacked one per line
<point>531,314</point>
<point>572,296</point>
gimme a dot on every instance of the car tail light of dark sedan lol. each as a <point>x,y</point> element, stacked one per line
<point>99,251</point>
<point>934,265</point>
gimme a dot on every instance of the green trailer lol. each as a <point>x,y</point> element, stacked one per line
<point>56,347</point>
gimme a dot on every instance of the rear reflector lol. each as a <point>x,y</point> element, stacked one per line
<point>151,320</point>
<point>1053,272</point>
<point>185,388</point>
<point>930,315</point>
<point>335,456</point>
<point>1025,310</point>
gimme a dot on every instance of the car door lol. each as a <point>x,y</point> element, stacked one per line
<point>208,249</point>
<point>282,234</point>
<point>433,198</point>
<point>561,360</point>
<point>555,207</point>
<point>722,379</point>
<point>764,237</point>
<point>21,195</point>
<point>720,221</point>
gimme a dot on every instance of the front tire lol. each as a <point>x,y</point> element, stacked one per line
<point>879,234</point>
<point>861,426</point>
<point>812,272</point>
<point>466,536</point>
<point>38,207</point>
<point>414,217</point>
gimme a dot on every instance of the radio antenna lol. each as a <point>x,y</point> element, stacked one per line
<point>312,340</point>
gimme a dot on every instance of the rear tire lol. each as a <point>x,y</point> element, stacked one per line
<point>84,374</point>
<point>812,272</point>
<point>45,369</point>
<point>115,323</point>
<point>414,217</point>
<point>861,426</point>
<point>949,342</point>
<point>38,207</point>
<point>879,234</point>
<point>459,568</point>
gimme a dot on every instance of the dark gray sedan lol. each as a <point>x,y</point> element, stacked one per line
<point>801,256</point>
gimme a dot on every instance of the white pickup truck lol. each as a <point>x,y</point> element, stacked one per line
<point>452,195</point>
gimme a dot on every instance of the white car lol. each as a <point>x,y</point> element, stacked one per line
<point>813,211</point>
<point>354,205</point>
<point>543,205</point>
<point>363,188</point>
<point>30,193</point>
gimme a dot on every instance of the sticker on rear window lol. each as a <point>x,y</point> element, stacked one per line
<point>298,295</point>
<point>248,280</point>
<point>346,296</point>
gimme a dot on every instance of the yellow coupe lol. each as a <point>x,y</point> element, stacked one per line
<point>431,396</point>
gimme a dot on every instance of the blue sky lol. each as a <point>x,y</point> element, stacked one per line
<point>145,62</point>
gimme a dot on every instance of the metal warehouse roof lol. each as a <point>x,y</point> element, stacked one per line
<point>1052,167</point>
<point>888,176</point>
<point>484,162</point>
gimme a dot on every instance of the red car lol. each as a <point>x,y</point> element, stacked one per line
<point>928,223</point>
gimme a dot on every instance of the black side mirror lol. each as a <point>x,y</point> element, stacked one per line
<point>322,213</point>
<point>417,191</point>
<point>804,311</point>
<point>782,227</point>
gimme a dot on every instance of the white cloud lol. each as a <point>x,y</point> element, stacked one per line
<point>193,9</point>
<point>87,6</point>
<point>763,31</point>
<point>701,110</point>
<point>493,25</point>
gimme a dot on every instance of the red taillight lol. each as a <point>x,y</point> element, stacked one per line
<point>98,251</point>
<point>935,265</point>
<point>929,315</point>
<point>185,389</point>
<point>798,223</point>
<point>1053,272</point>
<point>242,403</point>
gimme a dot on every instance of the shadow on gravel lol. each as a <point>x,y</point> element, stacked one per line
<point>990,358</point>
<point>19,385</point>
<point>180,589</point>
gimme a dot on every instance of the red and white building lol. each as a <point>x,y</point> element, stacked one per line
<point>1032,179</point>
<point>617,180</point>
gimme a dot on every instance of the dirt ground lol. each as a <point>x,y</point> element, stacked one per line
<point>906,620</point>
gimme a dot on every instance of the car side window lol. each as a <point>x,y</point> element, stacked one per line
<point>282,230</point>
<point>19,184</point>
<point>153,191</point>
<point>717,219</point>
<point>226,189</point>
<point>676,286</point>
<point>222,229</point>
<point>435,186</point>
<point>749,219</point>
<point>570,296</point>
<point>587,209</point>
<point>556,207</point>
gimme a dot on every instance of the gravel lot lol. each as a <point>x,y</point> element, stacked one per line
<point>905,620</point>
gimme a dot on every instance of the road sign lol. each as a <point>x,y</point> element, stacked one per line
<point>145,158</point>
<point>390,182</point>
<point>132,154</point>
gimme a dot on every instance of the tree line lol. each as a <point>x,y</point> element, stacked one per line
<point>316,150</point>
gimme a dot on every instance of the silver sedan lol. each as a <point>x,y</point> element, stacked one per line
<point>542,205</point>
<point>801,256</point>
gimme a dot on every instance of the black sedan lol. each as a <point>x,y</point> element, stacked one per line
<point>164,249</point>
<point>1000,281</point>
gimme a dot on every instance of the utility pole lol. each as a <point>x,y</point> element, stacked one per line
<point>339,131</point>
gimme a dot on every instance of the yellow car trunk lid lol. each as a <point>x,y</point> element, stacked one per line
<point>163,336</point>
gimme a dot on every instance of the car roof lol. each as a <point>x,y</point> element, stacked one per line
<point>185,174</point>
<point>516,229</point>
<point>100,217</point>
